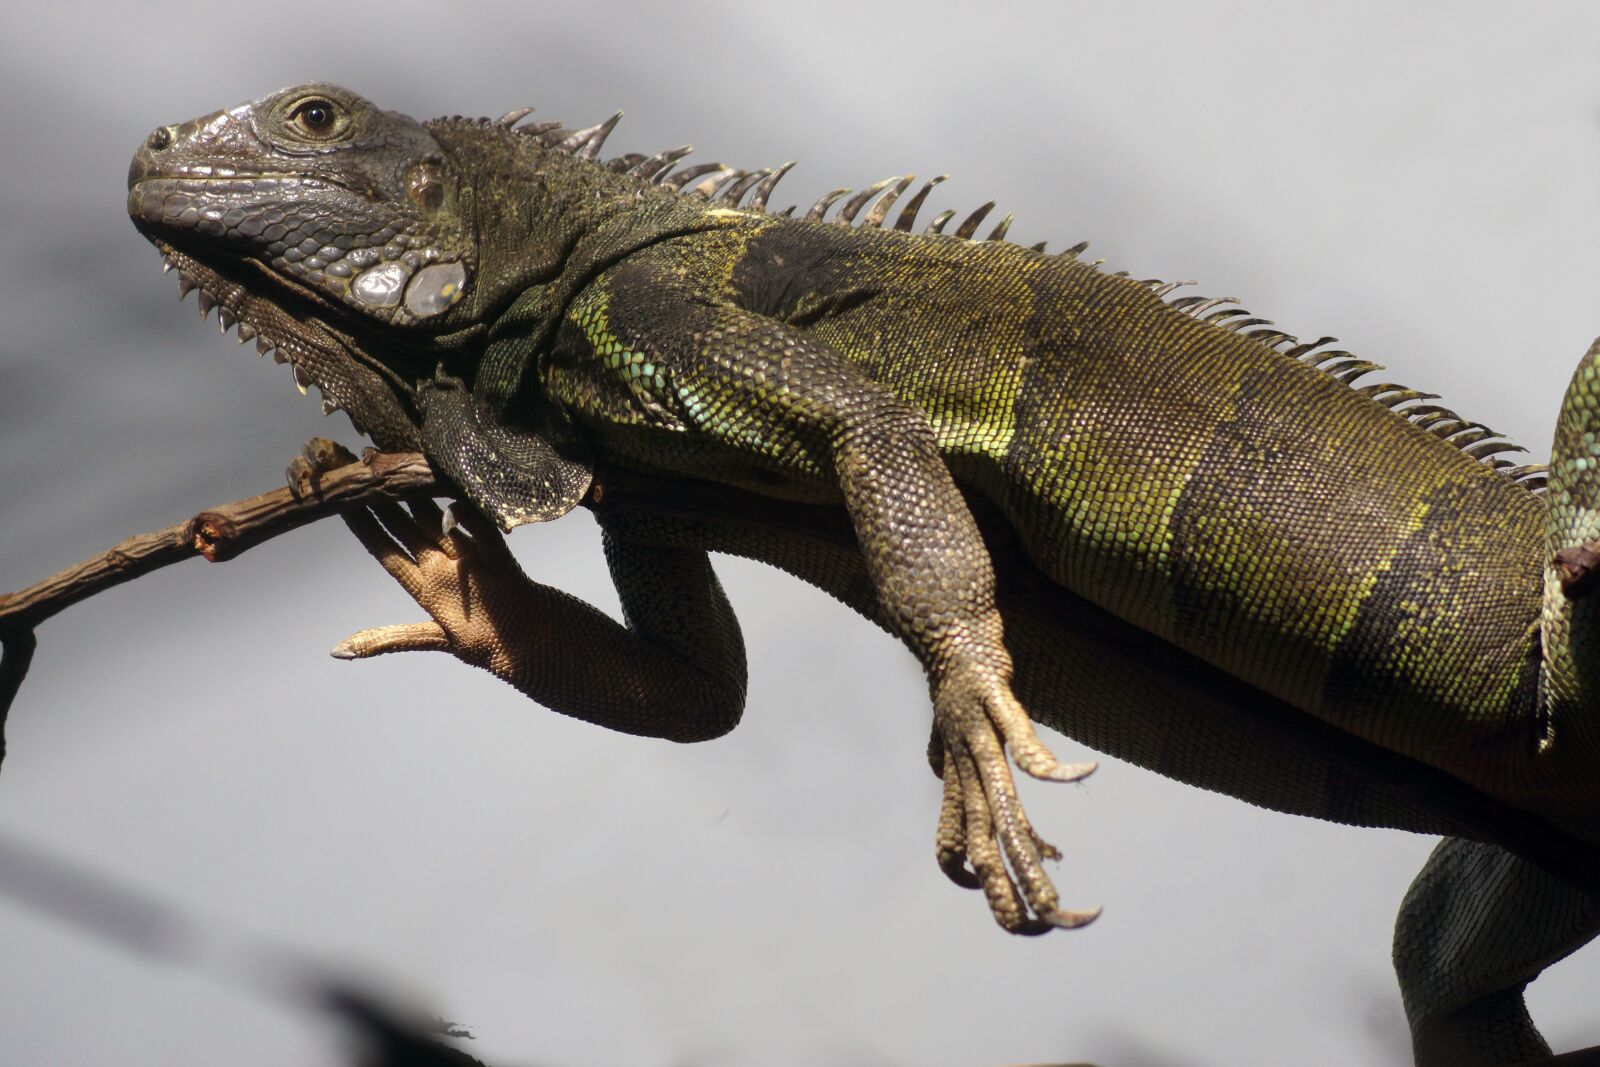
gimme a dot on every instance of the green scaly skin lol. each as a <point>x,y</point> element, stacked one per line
<point>1166,535</point>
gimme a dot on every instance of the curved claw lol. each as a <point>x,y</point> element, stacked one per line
<point>1071,919</point>
<point>955,868</point>
<point>1029,927</point>
<point>1056,771</point>
<point>1027,751</point>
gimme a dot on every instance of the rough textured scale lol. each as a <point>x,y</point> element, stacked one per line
<point>1173,532</point>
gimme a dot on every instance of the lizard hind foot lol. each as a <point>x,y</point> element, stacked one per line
<point>985,839</point>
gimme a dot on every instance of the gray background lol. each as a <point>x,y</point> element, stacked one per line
<point>1422,183</point>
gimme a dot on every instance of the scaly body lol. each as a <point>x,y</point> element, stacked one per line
<point>1344,560</point>
<point>527,315</point>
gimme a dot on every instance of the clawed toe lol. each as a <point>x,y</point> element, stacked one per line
<point>985,839</point>
<point>317,456</point>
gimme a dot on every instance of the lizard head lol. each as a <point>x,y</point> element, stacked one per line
<point>328,230</point>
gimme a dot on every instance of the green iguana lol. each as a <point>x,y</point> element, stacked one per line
<point>1153,522</point>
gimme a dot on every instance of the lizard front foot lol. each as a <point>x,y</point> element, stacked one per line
<point>317,457</point>
<point>981,820</point>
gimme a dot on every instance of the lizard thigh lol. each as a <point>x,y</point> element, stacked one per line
<point>1477,925</point>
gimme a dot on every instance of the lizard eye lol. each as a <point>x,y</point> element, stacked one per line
<point>316,117</point>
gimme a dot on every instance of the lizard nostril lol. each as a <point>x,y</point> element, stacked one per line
<point>159,138</point>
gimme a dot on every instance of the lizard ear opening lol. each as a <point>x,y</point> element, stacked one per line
<point>515,475</point>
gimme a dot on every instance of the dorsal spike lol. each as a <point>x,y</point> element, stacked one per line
<point>847,213</point>
<point>544,131</point>
<point>1200,307</point>
<point>1334,368</point>
<point>654,166</point>
<point>1303,350</point>
<point>586,142</point>
<point>1470,433</point>
<point>880,207</point>
<point>1389,394</point>
<point>591,147</point>
<point>735,192</point>
<point>570,140</point>
<point>1083,246</point>
<point>789,211</point>
<point>1394,396</point>
<point>1452,427</point>
<point>969,225</point>
<point>936,224</point>
<point>824,202</point>
<point>1271,338</point>
<point>514,116</point>
<point>758,200</point>
<point>1196,305</point>
<point>908,214</point>
<point>679,179</point>
<point>1165,289</point>
<point>709,185</point>
<point>1493,448</point>
<point>1309,351</point>
<point>1447,425</point>
<point>1000,228</point>
<point>625,164</point>
<point>553,136</point>
<point>1474,433</point>
<point>1360,367</point>
<point>1037,247</point>
<point>707,189</point>
<point>1328,355</point>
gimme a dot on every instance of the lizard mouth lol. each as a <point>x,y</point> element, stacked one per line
<point>209,178</point>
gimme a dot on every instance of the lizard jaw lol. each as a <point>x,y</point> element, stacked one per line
<point>228,318</point>
<point>343,382</point>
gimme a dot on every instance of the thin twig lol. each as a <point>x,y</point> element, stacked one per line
<point>220,533</point>
<point>217,534</point>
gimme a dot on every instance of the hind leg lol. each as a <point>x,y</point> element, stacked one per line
<point>1476,927</point>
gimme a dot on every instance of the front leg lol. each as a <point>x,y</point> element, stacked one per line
<point>675,379</point>
<point>675,669</point>
<point>936,583</point>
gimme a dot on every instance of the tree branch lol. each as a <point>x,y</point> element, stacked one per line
<point>217,534</point>
<point>220,533</point>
